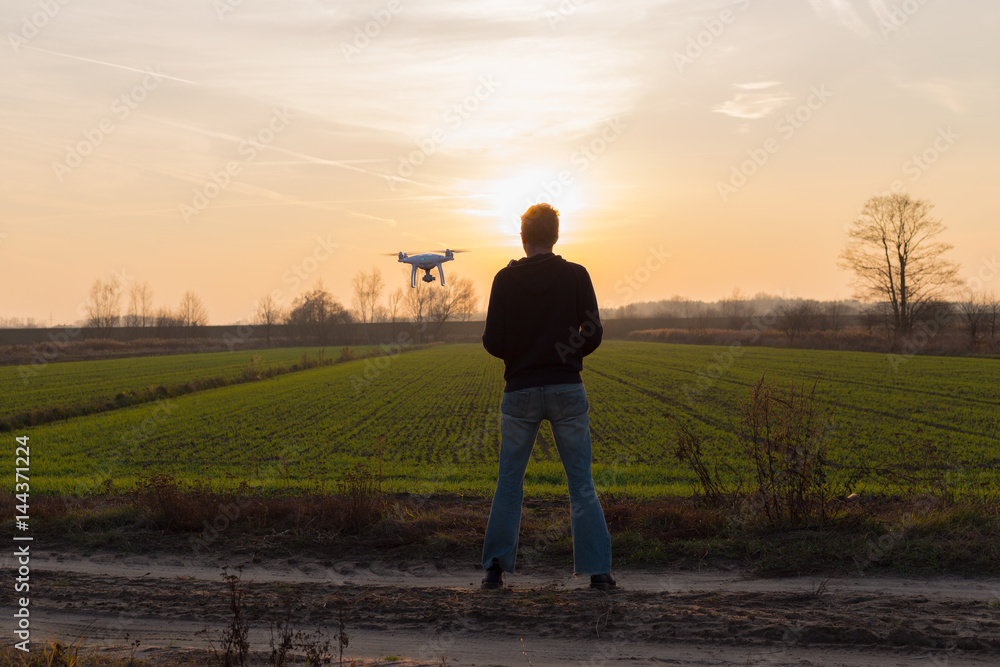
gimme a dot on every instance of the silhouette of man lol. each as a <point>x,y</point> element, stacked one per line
<point>542,320</point>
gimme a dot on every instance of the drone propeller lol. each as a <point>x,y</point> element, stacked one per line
<point>452,249</point>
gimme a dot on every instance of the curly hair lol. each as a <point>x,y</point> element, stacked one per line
<point>540,226</point>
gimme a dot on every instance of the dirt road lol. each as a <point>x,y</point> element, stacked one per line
<point>425,611</point>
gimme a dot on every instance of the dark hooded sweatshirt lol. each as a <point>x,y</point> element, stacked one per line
<point>542,321</point>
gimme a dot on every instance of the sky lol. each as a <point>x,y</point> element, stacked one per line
<point>240,148</point>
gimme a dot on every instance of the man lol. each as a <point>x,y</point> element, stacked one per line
<point>542,321</point>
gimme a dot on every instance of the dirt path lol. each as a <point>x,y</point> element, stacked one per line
<point>424,611</point>
<point>458,575</point>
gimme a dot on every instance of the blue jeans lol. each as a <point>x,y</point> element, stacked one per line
<point>521,414</point>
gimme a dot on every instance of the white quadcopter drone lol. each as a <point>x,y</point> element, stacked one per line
<point>426,261</point>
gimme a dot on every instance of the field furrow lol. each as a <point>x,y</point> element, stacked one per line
<point>431,418</point>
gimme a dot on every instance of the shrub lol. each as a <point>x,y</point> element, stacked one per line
<point>785,436</point>
<point>171,505</point>
<point>366,502</point>
<point>688,450</point>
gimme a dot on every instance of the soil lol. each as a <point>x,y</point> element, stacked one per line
<point>423,612</point>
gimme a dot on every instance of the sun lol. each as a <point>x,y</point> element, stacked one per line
<point>506,199</point>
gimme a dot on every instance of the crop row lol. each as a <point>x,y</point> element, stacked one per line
<point>75,383</point>
<point>430,418</point>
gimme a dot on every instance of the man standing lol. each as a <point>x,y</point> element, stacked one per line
<point>542,321</point>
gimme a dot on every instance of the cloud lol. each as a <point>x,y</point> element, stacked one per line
<point>752,105</point>
<point>759,85</point>
<point>842,12</point>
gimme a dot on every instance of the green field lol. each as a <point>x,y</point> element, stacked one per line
<point>81,382</point>
<point>431,416</point>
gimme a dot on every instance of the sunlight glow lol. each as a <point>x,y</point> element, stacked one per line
<point>504,200</point>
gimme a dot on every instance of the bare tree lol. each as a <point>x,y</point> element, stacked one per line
<point>685,309</point>
<point>626,312</point>
<point>798,317</point>
<point>457,300</point>
<point>833,315</point>
<point>936,314</point>
<point>192,311</point>
<point>737,309</point>
<point>417,301</point>
<point>974,311</point>
<point>317,315</point>
<point>140,306</point>
<point>104,304</point>
<point>394,310</point>
<point>268,313</point>
<point>876,315</point>
<point>896,258</point>
<point>993,313</point>
<point>367,291</point>
<point>164,317</point>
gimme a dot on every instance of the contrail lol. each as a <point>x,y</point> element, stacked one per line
<point>305,157</point>
<point>235,139</point>
<point>116,66</point>
<point>310,158</point>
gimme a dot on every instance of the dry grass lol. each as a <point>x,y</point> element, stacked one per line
<point>960,535</point>
<point>785,434</point>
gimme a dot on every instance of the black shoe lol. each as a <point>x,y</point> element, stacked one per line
<point>493,578</point>
<point>603,582</point>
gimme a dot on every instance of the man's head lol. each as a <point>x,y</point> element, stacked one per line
<point>540,227</point>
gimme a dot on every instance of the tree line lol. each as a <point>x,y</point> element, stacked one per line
<point>904,282</point>
<point>315,315</point>
<point>903,279</point>
<point>106,300</point>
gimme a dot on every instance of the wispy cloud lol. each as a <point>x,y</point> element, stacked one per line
<point>753,105</point>
<point>758,85</point>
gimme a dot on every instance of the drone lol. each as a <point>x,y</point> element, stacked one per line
<point>426,261</point>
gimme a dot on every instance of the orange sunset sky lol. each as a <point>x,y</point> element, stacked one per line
<point>221,146</point>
